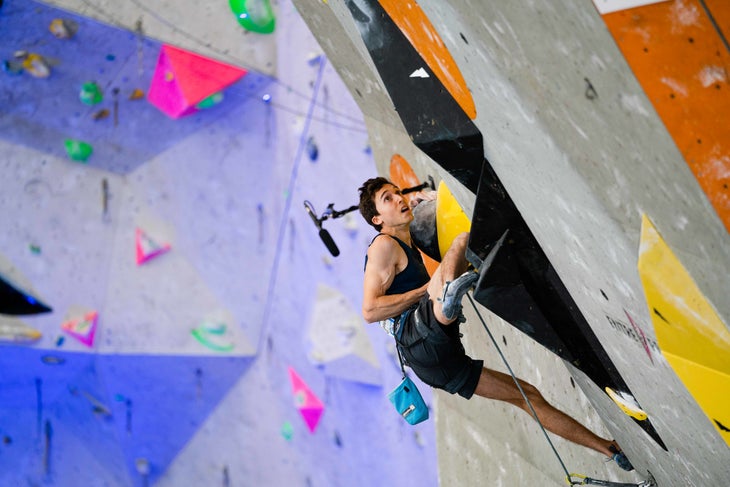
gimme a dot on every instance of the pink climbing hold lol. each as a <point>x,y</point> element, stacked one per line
<point>83,329</point>
<point>309,405</point>
<point>183,79</point>
<point>147,248</point>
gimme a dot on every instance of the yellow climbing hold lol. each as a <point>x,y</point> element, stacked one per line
<point>693,339</point>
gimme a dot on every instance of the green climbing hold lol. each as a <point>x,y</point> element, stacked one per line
<point>91,93</point>
<point>254,15</point>
<point>287,431</point>
<point>78,150</point>
<point>206,333</point>
<point>211,101</point>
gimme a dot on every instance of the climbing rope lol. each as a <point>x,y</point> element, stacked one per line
<point>571,478</point>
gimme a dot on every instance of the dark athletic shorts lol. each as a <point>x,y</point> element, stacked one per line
<point>435,353</point>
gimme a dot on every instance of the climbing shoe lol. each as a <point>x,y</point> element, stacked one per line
<point>454,291</point>
<point>620,458</point>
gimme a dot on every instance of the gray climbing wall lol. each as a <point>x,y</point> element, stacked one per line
<point>583,154</point>
<point>187,379</point>
<point>567,127</point>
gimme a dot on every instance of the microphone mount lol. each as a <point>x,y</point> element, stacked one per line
<point>331,213</point>
<point>420,187</point>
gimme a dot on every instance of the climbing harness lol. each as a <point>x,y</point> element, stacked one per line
<point>571,478</point>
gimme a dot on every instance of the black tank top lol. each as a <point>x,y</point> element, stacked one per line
<point>413,276</point>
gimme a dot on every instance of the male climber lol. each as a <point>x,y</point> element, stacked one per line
<point>422,313</point>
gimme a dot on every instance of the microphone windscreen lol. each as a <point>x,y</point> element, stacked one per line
<point>329,243</point>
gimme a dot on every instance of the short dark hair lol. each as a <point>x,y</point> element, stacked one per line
<point>367,199</point>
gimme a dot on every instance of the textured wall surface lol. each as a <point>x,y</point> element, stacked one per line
<point>224,187</point>
<point>209,29</point>
<point>567,126</point>
<point>584,155</point>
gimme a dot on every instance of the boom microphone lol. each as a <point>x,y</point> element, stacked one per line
<point>328,242</point>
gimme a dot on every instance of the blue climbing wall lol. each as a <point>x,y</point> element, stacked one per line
<point>224,187</point>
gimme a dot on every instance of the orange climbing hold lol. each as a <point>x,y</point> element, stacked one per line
<point>418,29</point>
<point>682,62</point>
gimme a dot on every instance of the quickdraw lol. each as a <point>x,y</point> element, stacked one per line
<point>583,480</point>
